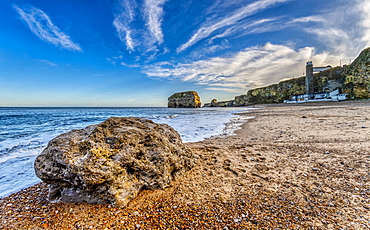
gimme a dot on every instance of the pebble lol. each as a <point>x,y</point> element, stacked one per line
<point>237,220</point>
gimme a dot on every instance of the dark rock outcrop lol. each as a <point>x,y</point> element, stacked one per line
<point>112,161</point>
<point>189,99</point>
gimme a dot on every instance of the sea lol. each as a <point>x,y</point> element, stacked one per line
<point>25,132</point>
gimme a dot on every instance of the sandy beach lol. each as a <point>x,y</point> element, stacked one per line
<point>291,167</point>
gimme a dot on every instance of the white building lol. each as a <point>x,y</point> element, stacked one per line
<point>316,97</point>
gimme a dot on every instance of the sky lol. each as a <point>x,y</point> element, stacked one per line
<point>137,53</point>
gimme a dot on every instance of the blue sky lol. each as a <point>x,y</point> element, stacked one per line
<point>139,52</point>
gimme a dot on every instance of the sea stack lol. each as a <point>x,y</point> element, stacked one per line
<point>112,161</point>
<point>189,99</point>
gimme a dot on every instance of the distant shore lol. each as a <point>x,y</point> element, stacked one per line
<point>292,166</point>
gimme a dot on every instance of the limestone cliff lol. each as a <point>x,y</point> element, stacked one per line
<point>215,103</point>
<point>189,99</point>
<point>357,77</point>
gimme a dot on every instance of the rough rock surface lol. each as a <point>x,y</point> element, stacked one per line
<point>112,161</point>
<point>189,99</point>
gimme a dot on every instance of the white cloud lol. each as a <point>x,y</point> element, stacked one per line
<point>146,39</point>
<point>314,18</point>
<point>248,10</point>
<point>154,13</point>
<point>260,26</point>
<point>130,65</point>
<point>364,6</point>
<point>205,51</point>
<point>253,67</point>
<point>47,62</point>
<point>342,31</point>
<point>122,23</point>
<point>42,26</point>
<point>124,33</point>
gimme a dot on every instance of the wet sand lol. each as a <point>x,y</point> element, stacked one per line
<point>291,167</point>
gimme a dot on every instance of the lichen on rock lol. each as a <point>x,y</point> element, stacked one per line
<point>112,161</point>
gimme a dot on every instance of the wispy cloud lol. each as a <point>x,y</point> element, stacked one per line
<point>154,13</point>
<point>342,31</point>
<point>42,26</point>
<point>124,32</point>
<point>207,29</point>
<point>252,27</point>
<point>130,65</point>
<point>365,9</point>
<point>314,18</point>
<point>146,39</point>
<point>47,62</point>
<point>208,50</point>
<point>122,23</point>
<point>253,67</point>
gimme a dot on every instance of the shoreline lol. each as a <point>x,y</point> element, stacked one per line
<point>301,166</point>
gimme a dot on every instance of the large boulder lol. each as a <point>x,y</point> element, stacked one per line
<point>189,99</point>
<point>112,161</point>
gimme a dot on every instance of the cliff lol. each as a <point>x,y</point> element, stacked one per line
<point>357,77</point>
<point>327,80</point>
<point>189,99</point>
<point>215,103</point>
<point>353,80</point>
